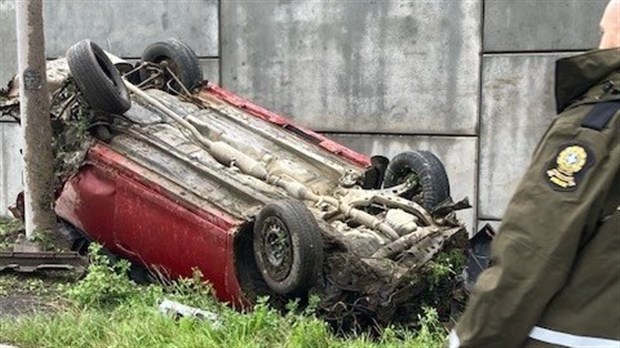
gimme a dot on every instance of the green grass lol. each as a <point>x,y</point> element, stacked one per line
<point>9,229</point>
<point>49,286</point>
<point>8,225</point>
<point>141,325</point>
<point>105,309</point>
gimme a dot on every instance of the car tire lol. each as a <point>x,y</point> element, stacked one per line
<point>288,247</point>
<point>97,78</point>
<point>433,180</point>
<point>181,60</point>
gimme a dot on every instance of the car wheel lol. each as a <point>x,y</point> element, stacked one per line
<point>181,60</point>
<point>433,184</point>
<point>288,247</point>
<point>97,79</point>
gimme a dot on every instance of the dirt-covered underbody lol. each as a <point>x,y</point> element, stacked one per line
<point>376,243</point>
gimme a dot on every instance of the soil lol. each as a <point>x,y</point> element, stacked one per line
<point>19,305</point>
<point>26,294</point>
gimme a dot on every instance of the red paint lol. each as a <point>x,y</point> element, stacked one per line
<point>262,113</point>
<point>112,200</point>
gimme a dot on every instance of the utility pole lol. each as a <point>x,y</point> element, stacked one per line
<point>35,119</point>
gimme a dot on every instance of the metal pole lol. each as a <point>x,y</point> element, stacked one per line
<point>35,119</point>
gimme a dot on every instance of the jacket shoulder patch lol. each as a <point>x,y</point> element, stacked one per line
<point>600,115</point>
<point>568,168</point>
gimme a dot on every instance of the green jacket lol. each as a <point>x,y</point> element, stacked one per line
<point>556,272</point>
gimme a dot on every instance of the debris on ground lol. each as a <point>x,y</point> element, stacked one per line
<point>178,309</point>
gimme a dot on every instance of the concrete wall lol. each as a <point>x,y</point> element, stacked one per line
<point>541,25</point>
<point>10,164</point>
<point>8,42</point>
<point>358,66</point>
<point>470,80</point>
<point>122,27</point>
<point>517,107</point>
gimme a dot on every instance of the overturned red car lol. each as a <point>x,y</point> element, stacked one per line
<point>176,174</point>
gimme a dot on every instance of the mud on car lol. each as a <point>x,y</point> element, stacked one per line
<point>175,173</point>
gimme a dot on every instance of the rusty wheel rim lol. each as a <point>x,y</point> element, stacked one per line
<point>276,248</point>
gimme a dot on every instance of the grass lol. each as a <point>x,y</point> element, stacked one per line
<point>48,286</point>
<point>143,326</point>
<point>9,229</point>
<point>106,309</point>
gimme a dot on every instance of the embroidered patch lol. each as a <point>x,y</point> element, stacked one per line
<point>570,165</point>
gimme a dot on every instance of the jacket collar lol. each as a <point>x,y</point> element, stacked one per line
<point>574,76</point>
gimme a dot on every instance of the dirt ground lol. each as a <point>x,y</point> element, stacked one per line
<point>25,294</point>
<point>33,293</point>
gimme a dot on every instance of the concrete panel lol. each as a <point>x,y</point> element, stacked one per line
<point>8,42</point>
<point>406,67</point>
<point>125,28</point>
<point>10,165</point>
<point>211,70</point>
<point>535,25</point>
<point>458,155</point>
<point>517,107</point>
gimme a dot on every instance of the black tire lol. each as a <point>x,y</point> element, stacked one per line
<point>288,247</point>
<point>97,78</point>
<point>433,180</point>
<point>181,60</point>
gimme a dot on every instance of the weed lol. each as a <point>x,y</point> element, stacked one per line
<point>431,331</point>
<point>8,226</point>
<point>9,229</point>
<point>105,283</point>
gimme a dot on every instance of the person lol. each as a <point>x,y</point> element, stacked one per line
<point>555,279</point>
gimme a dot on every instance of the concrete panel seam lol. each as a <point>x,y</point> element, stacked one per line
<point>219,40</point>
<point>530,53</point>
<point>479,117</point>
<point>446,135</point>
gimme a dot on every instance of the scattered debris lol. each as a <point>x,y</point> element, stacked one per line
<point>479,255</point>
<point>177,309</point>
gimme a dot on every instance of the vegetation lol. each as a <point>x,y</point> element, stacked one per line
<point>105,308</point>
<point>9,229</point>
